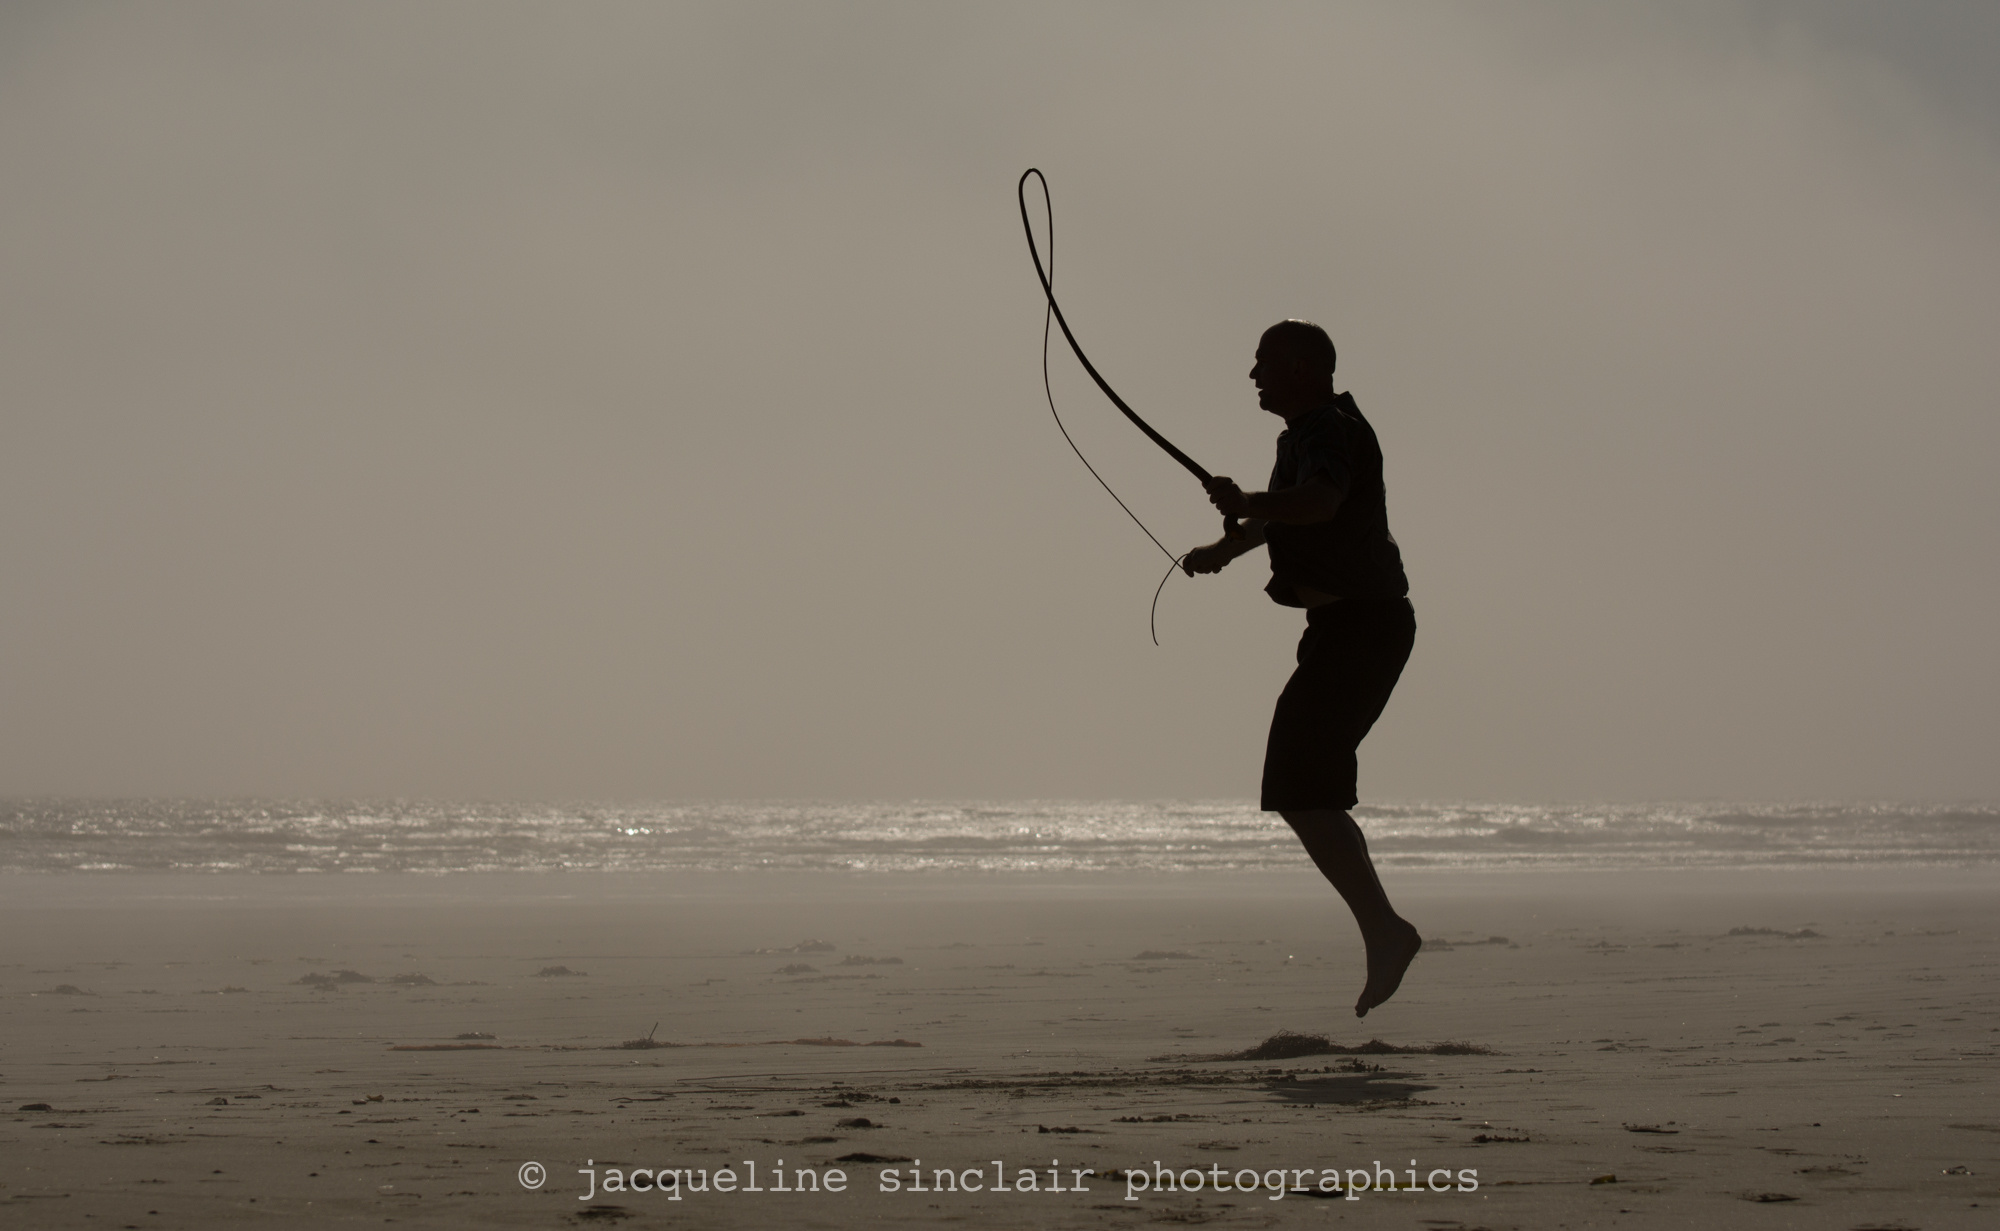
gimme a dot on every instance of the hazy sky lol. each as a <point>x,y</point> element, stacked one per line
<point>642,400</point>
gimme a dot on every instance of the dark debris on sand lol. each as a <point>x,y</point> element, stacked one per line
<point>1290,1045</point>
<point>1440,945</point>
<point>335,979</point>
<point>1801,934</point>
<point>648,1043</point>
<point>804,946</point>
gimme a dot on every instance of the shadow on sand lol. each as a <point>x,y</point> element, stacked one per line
<point>1348,1089</point>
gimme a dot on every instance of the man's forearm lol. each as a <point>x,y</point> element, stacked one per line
<point>1214,557</point>
<point>1297,506</point>
<point>1253,538</point>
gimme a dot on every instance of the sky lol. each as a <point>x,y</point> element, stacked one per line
<point>641,401</point>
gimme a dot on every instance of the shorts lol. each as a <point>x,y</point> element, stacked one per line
<point>1350,657</point>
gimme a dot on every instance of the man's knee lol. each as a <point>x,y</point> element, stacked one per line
<point>1317,819</point>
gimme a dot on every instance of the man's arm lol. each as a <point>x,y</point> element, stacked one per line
<point>1314,501</point>
<point>1214,557</point>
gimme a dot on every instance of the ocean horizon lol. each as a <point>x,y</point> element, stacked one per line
<point>45,835</point>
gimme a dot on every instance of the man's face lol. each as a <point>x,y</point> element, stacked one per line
<point>1280,382</point>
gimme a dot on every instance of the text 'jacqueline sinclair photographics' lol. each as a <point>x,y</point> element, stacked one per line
<point>997,1176</point>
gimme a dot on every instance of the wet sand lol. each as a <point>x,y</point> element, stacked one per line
<point>1734,1049</point>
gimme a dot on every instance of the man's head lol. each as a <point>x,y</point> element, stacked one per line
<point>1294,371</point>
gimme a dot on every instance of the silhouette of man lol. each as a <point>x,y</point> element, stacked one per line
<point>1326,523</point>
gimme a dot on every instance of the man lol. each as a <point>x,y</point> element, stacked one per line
<point>1327,527</point>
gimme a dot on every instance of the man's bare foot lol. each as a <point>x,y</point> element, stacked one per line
<point>1390,952</point>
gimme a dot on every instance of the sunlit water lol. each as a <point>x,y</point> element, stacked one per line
<point>1023,837</point>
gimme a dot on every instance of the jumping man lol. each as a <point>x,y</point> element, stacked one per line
<point>1326,523</point>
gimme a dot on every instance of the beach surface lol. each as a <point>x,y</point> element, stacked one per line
<point>1760,1049</point>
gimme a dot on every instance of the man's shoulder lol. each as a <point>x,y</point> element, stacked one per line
<point>1324,419</point>
<point>1352,424</point>
<point>1337,424</point>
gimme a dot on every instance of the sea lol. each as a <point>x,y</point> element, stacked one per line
<point>1032,837</point>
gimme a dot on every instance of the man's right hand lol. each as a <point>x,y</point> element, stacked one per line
<point>1212,558</point>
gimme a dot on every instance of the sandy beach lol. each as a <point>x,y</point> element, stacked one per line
<point>1769,1049</point>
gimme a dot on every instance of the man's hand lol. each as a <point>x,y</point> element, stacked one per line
<point>1228,498</point>
<point>1212,558</point>
<point>1315,500</point>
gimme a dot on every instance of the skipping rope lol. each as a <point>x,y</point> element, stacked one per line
<point>1052,314</point>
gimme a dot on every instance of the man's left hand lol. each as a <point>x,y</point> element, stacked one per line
<point>1228,498</point>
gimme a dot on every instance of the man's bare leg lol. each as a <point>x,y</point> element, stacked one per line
<point>1340,851</point>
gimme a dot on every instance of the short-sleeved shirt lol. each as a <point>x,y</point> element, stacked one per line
<point>1353,555</point>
